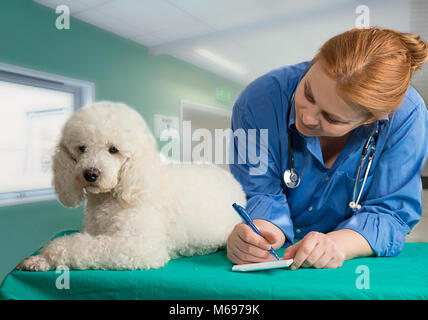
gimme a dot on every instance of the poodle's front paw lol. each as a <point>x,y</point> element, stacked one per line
<point>35,263</point>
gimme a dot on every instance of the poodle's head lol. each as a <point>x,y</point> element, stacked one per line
<point>104,147</point>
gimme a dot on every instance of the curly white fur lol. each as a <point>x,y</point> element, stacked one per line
<point>140,212</point>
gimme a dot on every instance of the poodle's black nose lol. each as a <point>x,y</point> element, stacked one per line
<point>91,174</point>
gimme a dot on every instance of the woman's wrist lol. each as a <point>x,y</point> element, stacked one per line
<point>351,243</point>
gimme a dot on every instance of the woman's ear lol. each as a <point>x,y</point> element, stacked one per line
<point>69,192</point>
<point>369,120</point>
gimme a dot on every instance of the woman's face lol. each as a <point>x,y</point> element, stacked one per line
<point>319,110</point>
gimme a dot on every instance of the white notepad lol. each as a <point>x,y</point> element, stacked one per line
<point>263,265</point>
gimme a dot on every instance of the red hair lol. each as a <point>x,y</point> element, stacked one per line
<point>373,67</point>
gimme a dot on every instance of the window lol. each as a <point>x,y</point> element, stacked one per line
<point>33,109</point>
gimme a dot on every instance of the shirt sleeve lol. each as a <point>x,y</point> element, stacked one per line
<point>261,180</point>
<point>394,200</point>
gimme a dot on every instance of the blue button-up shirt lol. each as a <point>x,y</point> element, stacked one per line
<point>392,197</point>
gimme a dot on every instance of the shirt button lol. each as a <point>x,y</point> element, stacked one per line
<point>310,208</point>
<point>327,178</point>
<point>298,230</point>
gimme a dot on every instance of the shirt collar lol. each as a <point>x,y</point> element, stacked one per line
<point>385,118</point>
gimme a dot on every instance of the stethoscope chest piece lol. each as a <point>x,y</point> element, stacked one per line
<point>354,205</point>
<point>291,178</point>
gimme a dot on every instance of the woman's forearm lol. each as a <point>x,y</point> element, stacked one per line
<point>351,243</point>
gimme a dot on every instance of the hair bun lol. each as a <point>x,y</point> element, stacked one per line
<point>417,49</point>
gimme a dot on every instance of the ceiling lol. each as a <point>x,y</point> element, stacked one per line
<point>237,39</point>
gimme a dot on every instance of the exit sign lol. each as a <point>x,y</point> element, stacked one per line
<point>223,95</point>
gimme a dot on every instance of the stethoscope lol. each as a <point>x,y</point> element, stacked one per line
<point>292,178</point>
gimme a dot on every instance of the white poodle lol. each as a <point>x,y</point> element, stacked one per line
<point>139,211</point>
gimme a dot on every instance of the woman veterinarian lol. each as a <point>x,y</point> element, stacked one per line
<point>353,101</point>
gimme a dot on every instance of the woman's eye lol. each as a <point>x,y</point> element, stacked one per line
<point>332,121</point>
<point>82,149</point>
<point>113,149</point>
<point>309,98</point>
<point>327,117</point>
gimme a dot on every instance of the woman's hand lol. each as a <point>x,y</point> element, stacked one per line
<point>245,246</point>
<point>315,250</point>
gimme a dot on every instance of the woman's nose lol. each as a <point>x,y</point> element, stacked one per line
<point>310,121</point>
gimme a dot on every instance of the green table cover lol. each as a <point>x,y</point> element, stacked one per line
<point>210,277</point>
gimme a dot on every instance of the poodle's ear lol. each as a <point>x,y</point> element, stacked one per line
<point>69,192</point>
<point>138,174</point>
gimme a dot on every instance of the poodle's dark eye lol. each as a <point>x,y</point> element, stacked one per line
<point>82,149</point>
<point>113,149</point>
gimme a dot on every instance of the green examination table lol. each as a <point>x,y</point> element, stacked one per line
<point>210,277</point>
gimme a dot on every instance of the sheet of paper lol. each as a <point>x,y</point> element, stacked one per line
<point>263,265</point>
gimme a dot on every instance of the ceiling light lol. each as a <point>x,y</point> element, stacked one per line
<point>221,61</point>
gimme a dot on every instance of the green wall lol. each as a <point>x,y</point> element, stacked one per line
<point>121,70</point>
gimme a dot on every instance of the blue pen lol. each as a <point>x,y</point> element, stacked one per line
<point>247,219</point>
